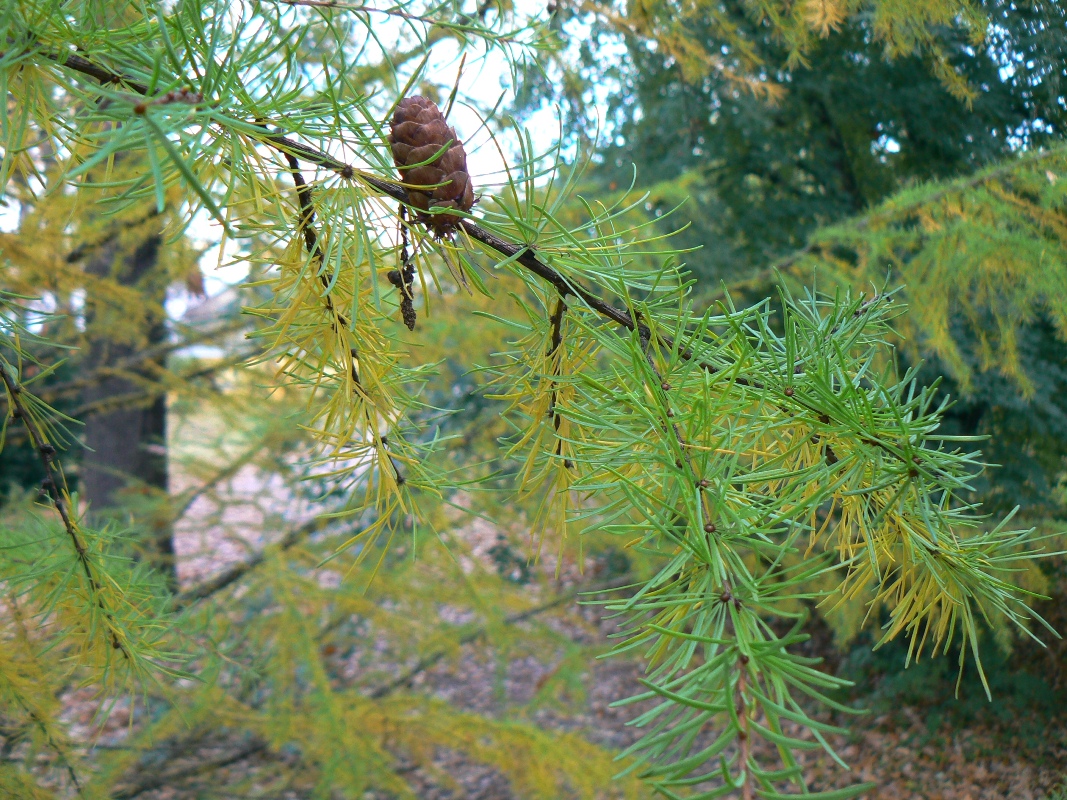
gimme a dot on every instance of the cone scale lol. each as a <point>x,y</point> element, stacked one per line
<point>428,154</point>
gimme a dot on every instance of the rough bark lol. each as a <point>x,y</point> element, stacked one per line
<point>126,440</point>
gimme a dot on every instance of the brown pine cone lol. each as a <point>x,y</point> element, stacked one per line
<point>418,132</point>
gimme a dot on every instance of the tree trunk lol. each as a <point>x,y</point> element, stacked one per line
<point>126,426</point>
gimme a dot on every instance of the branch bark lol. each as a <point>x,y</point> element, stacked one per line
<point>228,577</point>
<point>158,780</point>
<point>426,662</point>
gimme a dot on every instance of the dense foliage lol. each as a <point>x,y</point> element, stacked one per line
<point>804,183</point>
<point>754,460</point>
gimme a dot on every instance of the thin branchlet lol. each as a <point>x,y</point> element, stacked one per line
<point>55,487</point>
<point>744,734</point>
<point>306,226</point>
<point>554,345</point>
<point>692,477</point>
<point>35,718</point>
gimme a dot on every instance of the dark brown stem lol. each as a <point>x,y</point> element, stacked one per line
<point>556,341</point>
<point>306,226</point>
<point>473,635</point>
<point>55,484</point>
<point>93,70</point>
<point>527,257</point>
<point>745,734</point>
<point>557,327</point>
<point>404,278</point>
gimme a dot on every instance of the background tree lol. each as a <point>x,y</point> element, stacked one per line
<point>837,133</point>
<point>841,130</point>
<point>106,276</point>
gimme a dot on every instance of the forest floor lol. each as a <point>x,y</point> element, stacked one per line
<point>911,751</point>
<point>917,742</point>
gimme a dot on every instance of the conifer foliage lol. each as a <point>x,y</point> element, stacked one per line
<point>983,265</point>
<point>987,248</point>
<point>757,464</point>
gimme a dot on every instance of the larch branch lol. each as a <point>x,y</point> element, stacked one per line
<point>56,487</point>
<point>523,254</point>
